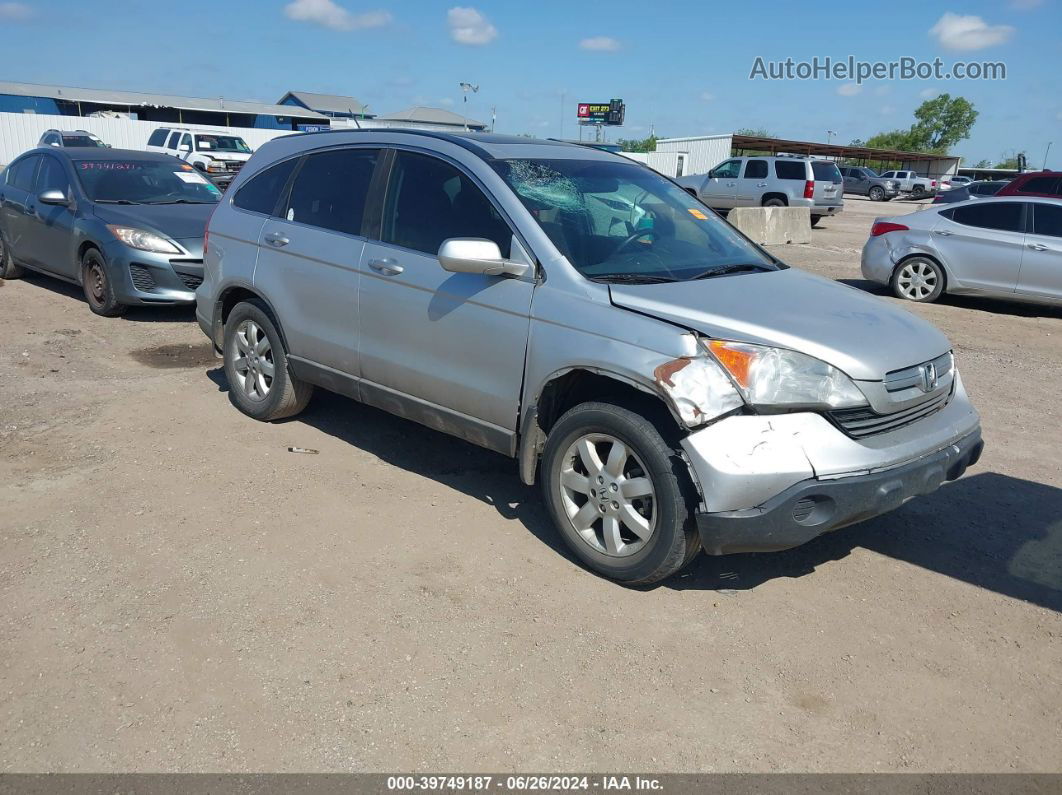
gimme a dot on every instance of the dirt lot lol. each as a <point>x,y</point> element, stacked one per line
<point>181,593</point>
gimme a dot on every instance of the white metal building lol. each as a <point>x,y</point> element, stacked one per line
<point>703,152</point>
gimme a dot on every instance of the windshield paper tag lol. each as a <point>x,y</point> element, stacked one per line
<point>697,214</point>
<point>190,177</point>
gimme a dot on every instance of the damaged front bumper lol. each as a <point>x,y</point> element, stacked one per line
<point>774,482</point>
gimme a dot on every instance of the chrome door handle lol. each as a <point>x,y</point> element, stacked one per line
<point>1038,247</point>
<point>943,233</point>
<point>386,266</point>
<point>731,184</point>
<point>276,239</point>
<point>761,184</point>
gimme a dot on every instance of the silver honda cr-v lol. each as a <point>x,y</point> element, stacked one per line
<point>673,386</point>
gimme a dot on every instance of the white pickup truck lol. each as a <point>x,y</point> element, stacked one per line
<point>913,183</point>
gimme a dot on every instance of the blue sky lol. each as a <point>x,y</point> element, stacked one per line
<point>681,67</point>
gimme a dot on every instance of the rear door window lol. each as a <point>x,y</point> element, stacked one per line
<point>790,169</point>
<point>1047,219</point>
<point>158,138</point>
<point>756,169</point>
<point>1004,216</point>
<point>174,138</point>
<point>331,189</point>
<point>1042,185</point>
<point>21,174</point>
<point>261,193</point>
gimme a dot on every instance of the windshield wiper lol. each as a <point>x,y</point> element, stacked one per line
<point>116,201</point>
<point>181,201</point>
<point>725,269</point>
<point>630,278</point>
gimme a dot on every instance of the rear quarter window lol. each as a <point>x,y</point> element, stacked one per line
<point>790,169</point>
<point>1041,185</point>
<point>158,138</point>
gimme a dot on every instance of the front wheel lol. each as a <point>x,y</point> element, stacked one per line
<point>918,279</point>
<point>877,194</point>
<point>98,287</point>
<point>256,366</point>
<point>619,494</point>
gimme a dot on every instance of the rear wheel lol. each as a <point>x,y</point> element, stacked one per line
<point>619,494</point>
<point>918,192</point>
<point>877,194</point>
<point>256,365</point>
<point>918,279</point>
<point>815,220</point>
<point>773,202</point>
<point>8,268</point>
<point>99,290</point>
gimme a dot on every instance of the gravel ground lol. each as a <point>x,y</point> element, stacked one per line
<point>180,593</point>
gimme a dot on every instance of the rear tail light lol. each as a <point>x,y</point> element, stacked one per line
<point>933,183</point>
<point>809,189</point>
<point>882,227</point>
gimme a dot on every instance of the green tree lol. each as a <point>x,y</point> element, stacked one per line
<point>940,123</point>
<point>983,164</point>
<point>638,144</point>
<point>1008,162</point>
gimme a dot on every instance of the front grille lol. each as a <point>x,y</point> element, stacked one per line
<point>190,281</point>
<point>863,422</point>
<point>233,165</point>
<point>142,278</point>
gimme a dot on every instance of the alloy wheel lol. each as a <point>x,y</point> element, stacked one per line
<point>254,364</point>
<point>608,495</point>
<point>917,280</point>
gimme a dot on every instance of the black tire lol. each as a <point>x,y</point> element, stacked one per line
<point>774,202</point>
<point>935,279</point>
<point>285,395</point>
<point>8,268</point>
<point>815,220</point>
<point>877,194</point>
<point>97,285</point>
<point>673,541</point>
<point>919,192</point>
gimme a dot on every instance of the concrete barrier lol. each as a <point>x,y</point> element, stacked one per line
<point>773,225</point>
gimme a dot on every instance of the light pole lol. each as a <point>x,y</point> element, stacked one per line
<point>465,88</point>
<point>829,135</point>
<point>1046,151</point>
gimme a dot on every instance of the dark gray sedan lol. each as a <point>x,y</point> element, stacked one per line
<point>127,226</point>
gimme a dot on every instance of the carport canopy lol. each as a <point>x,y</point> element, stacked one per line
<point>922,162</point>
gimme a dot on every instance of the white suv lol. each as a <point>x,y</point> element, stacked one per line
<point>218,154</point>
<point>771,181</point>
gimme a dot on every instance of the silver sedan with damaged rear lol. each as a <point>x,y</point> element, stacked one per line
<point>1002,247</point>
<point>673,386</point>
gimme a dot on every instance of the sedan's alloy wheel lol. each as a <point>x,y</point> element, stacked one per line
<point>917,280</point>
<point>254,363</point>
<point>607,494</point>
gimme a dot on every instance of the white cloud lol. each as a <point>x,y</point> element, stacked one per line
<point>957,32</point>
<point>15,12</point>
<point>327,14</point>
<point>600,44</point>
<point>469,26</point>
<point>849,89</point>
<point>446,102</point>
<point>929,93</point>
<point>886,110</point>
<point>707,96</point>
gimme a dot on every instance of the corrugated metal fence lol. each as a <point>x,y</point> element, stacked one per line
<point>22,131</point>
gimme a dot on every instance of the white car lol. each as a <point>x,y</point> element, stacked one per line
<point>913,183</point>
<point>219,154</point>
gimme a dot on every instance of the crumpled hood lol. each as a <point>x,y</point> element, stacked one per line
<point>175,221</point>
<point>859,333</point>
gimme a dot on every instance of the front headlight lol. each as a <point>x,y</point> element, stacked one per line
<point>143,240</point>
<point>216,167</point>
<point>780,378</point>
